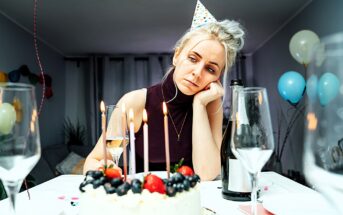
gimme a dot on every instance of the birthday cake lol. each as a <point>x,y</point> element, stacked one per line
<point>151,195</point>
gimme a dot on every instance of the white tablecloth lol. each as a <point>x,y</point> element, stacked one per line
<point>278,193</point>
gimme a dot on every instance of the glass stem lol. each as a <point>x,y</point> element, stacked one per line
<point>12,188</point>
<point>254,193</point>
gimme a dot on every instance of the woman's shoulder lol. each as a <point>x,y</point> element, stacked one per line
<point>134,99</point>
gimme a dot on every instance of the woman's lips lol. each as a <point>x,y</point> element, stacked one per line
<point>191,83</point>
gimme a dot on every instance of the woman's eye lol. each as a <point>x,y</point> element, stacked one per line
<point>192,59</point>
<point>210,70</point>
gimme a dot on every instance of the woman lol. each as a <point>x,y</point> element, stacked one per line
<point>193,92</point>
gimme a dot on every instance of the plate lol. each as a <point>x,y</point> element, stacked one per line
<point>296,203</point>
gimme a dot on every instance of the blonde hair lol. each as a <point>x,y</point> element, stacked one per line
<point>229,33</point>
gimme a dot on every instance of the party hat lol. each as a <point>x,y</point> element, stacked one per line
<point>201,16</point>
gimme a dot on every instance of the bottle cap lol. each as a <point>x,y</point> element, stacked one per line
<point>236,82</point>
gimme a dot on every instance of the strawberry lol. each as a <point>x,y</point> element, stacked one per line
<point>185,170</point>
<point>154,184</point>
<point>112,173</point>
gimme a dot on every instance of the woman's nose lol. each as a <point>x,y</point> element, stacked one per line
<point>197,70</point>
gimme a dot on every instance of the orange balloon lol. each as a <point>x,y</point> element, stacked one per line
<point>3,77</point>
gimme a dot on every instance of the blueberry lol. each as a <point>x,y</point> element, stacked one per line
<point>97,183</point>
<point>165,181</point>
<point>136,188</point>
<point>127,186</point>
<point>186,184</point>
<point>115,182</point>
<point>110,190</point>
<point>171,191</point>
<point>122,189</point>
<point>178,177</point>
<point>94,174</point>
<point>178,187</point>
<point>103,180</point>
<point>83,184</point>
<point>136,181</point>
<point>197,178</point>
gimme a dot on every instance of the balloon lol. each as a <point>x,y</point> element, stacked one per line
<point>3,77</point>
<point>311,88</point>
<point>328,87</point>
<point>301,45</point>
<point>291,87</point>
<point>7,118</point>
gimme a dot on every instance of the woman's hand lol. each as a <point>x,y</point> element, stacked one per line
<point>212,92</point>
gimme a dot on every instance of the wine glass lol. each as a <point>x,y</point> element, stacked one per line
<point>114,133</point>
<point>19,136</point>
<point>323,150</point>
<point>252,139</point>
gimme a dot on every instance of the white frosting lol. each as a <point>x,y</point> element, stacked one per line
<point>96,201</point>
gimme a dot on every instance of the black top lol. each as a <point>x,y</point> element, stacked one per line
<point>178,108</point>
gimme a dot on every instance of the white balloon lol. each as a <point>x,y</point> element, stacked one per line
<point>301,45</point>
<point>7,118</point>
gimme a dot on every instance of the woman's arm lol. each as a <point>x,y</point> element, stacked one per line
<point>136,101</point>
<point>207,132</point>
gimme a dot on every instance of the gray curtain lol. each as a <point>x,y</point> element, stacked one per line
<point>107,78</point>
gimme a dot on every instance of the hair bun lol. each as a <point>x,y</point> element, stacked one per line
<point>236,31</point>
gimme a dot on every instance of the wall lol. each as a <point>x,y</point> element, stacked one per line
<point>16,48</point>
<point>273,59</point>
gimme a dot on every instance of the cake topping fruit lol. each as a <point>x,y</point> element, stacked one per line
<point>112,173</point>
<point>154,184</point>
<point>185,170</point>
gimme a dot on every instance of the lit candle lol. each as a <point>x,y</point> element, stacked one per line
<point>132,145</point>
<point>103,127</point>
<point>146,145</point>
<point>123,121</point>
<point>166,138</point>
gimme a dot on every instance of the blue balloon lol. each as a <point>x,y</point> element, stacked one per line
<point>328,87</point>
<point>291,87</point>
<point>311,88</point>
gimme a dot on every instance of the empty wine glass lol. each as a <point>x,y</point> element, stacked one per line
<point>19,136</point>
<point>252,140</point>
<point>114,134</point>
<point>323,151</point>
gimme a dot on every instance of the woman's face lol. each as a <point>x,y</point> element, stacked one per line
<point>199,63</point>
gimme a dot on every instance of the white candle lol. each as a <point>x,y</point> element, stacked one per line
<point>123,121</point>
<point>103,127</point>
<point>146,144</point>
<point>166,138</point>
<point>132,145</point>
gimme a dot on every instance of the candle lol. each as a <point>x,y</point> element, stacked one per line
<point>132,145</point>
<point>146,145</point>
<point>103,127</point>
<point>166,138</point>
<point>123,121</point>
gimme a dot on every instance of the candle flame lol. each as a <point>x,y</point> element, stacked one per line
<point>312,121</point>
<point>165,111</point>
<point>145,116</point>
<point>131,115</point>
<point>123,109</point>
<point>102,106</point>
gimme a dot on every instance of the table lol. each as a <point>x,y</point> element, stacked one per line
<point>57,197</point>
